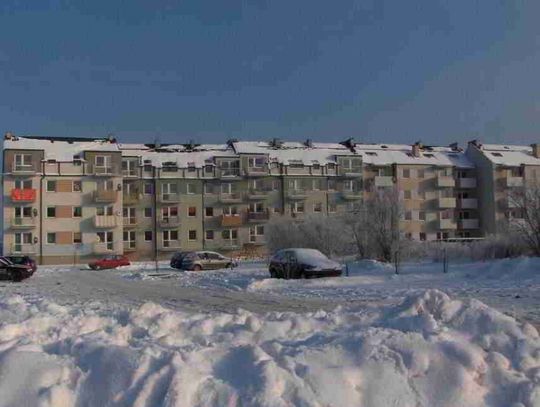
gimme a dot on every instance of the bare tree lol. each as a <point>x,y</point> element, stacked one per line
<point>524,215</point>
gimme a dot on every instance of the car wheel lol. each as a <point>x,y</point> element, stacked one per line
<point>16,276</point>
<point>197,267</point>
<point>273,273</point>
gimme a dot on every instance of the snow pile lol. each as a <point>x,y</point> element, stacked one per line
<point>428,351</point>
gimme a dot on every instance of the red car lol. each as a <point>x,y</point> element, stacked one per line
<point>109,262</point>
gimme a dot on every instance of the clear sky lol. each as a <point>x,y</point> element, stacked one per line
<point>394,71</point>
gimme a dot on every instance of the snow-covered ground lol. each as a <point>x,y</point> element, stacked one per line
<point>141,337</point>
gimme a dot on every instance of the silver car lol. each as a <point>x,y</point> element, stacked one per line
<point>201,260</point>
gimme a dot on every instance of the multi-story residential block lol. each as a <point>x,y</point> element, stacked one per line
<point>501,169</point>
<point>69,199</point>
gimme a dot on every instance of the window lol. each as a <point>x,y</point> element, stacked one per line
<point>406,173</point>
<point>23,162</point>
<point>129,238</point>
<point>275,185</point>
<point>331,166</point>
<point>192,211</point>
<point>209,235</point>
<point>257,207</point>
<point>332,208</point>
<point>148,236</point>
<point>422,236</point>
<point>316,184</point>
<point>129,167</point>
<point>464,215</point>
<point>77,211</point>
<point>421,173</point>
<point>23,184</point>
<point>228,188</point>
<point>77,238</point>
<point>331,184</point>
<point>51,186</point>
<point>169,167</point>
<point>255,231</point>
<point>421,215</point>
<point>147,167</point>
<point>169,236</point>
<point>297,207</point>
<point>208,169</point>
<point>23,212</point>
<point>407,194</point>
<point>317,207</point>
<point>230,210</point>
<point>51,211</point>
<point>209,211</point>
<point>106,239</point>
<point>256,162</point>
<point>209,188</point>
<point>168,212</point>
<point>104,211</point>
<point>191,188</point>
<point>192,235</point>
<point>76,186</point>
<point>408,215</point>
<point>147,212</point>
<point>229,234</point>
<point>51,238</point>
<point>148,188</point>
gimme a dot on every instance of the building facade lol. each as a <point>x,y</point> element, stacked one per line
<point>69,200</point>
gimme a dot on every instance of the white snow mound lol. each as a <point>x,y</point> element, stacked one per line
<point>428,351</point>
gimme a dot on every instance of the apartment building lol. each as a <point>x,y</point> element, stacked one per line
<point>501,169</point>
<point>70,199</point>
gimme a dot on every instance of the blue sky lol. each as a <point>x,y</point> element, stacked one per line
<point>394,71</point>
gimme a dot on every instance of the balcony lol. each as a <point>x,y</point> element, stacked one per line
<point>105,195</point>
<point>513,182</point>
<point>256,240</point>
<point>103,248</point>
<point>446,203</point>
<point>235,197</point>
<point>469,224</point>
<point>384,181</point>
<point>130,198</point>
<point>130,246</point>
<point>444,181</point>
<point>351,195</point>
<point>129,222</point>
<point>169,222</point>
<point>258,216</point>
<point>24,169</point>
<point>230,244</point>
<point>467,182</point>
<point>231,220</point>
<point>23,223</point>
<point>468,203</point>
<point>296,194</point>
<point>130,173</point>
<point>256,171</point>
<point>169,197</point>
<point>351,172</point>
<point>445,224</point>
<point>257,194</point>
<point>24,248</point>
<point>103,171</point>
<point>23,195</point>
<point>229,172</point>
<point>105,221</point>
<point>170,245</point>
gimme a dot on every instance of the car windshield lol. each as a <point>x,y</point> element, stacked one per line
<point>309,255</point>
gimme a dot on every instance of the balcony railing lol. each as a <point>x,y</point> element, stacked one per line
<point>235,197</point>
<point>169,197</point>
<point>169,221</point>
<point>130,173</point>
<point>130,246</point>
<point>105,221</point>
<point>129,222</point>
<point>467,182</point>
<point>24,248</point>
<point>468,203</point>
<point>446,224</point>
<point>296,194</point>
<point>446,203</point>
<point>229,244</point>
<point>445,181</point>
<point>469,224</point>
<point>256,239</point>
<point>351,195</point>
<point>258,193</point>
<point>258,216</point>
<point>384,181</point>
<point>24,169</point>
<point>23,222</point>
<point>231,220</point>
<point>167,245</point>
<point>512,182</point>
<point>229,172</point>
<point>105,195</point>
<point>256,171</point>
<point>23,195</point>
<point>102,170</point>
<point>130,198</point>
<point>103,247</point>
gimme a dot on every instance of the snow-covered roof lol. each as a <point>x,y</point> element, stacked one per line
<point>510,155</point>
<point>387,154</point>
<point>59,150</point>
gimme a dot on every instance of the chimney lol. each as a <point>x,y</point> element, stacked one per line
<point>8,135</point>
<point>349,143</point>
<point>416,149</point>
<point>536,150</point>
<point>454,146</point>
<point>309,143</point>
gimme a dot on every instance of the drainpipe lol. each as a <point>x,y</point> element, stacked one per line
<point>155,220</point>
<point>40,214</point>
<point>203,214</point>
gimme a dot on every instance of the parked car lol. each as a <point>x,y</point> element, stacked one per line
<point>109,262</point>
<point>24,260</point>
<point>14,272</point>
<point>302,263</point>
<point>201,260</point>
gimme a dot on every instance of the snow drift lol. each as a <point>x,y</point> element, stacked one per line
<point>428,351</point>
